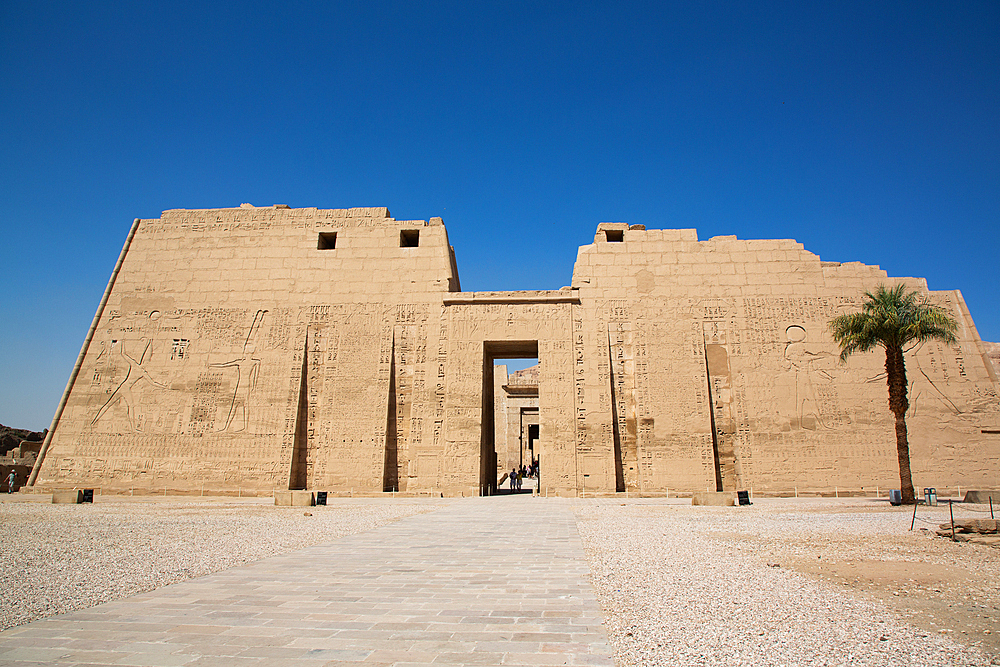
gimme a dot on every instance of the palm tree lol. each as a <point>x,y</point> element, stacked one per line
<point>894,318</point>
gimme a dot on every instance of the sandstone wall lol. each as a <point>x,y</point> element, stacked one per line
<point>729,337</point>
<point>232,346</point>
<point>252,349</point>
<point>993,353</point>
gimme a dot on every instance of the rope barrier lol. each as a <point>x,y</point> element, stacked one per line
<point>957,508</point>
<point>972,509</point>
<point>928,521</point>
<point>952,509</point>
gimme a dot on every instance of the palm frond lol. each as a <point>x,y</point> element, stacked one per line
<point>891,317</point>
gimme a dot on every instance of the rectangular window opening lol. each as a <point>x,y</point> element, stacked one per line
<point>409,238</point>
<point>327,241</point>
<point>614,235</point>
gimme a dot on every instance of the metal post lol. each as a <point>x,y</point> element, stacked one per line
<point>914,516</point>
<point>991,507</point>
<point>952,513</point>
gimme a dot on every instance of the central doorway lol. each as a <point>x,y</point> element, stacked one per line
<point>518,390</point>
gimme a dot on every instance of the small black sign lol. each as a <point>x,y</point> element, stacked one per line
<point>88,495</point>
<point>744,497</point>
<point>321,497</point>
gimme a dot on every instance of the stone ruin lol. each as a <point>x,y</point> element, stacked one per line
<point>248,350</point>
<point>18,452</point>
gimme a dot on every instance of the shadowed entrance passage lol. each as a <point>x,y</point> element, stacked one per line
<point>453,586</point>
<point>516,422</point>
<point>493,350</point>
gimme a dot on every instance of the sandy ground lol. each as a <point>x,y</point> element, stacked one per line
<point>791,581</point>
<point>932,582</point>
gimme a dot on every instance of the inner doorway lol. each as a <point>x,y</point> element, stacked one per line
<point>510,410</point>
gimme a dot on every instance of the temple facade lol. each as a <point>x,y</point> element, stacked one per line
<point>247,350</point>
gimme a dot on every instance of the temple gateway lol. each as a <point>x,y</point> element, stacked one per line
<point>247,350</point>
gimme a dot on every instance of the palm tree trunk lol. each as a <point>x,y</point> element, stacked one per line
<point>895,370</point>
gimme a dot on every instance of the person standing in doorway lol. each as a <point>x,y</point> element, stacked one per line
<point>10,482</point>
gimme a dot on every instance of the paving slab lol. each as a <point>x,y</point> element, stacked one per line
<point>479,581</point>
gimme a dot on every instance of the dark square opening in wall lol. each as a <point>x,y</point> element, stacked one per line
<point>327,240</point>
<point>614,235</point>
<point>409,238</point>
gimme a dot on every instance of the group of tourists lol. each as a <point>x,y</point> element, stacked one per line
<point>516,476</point>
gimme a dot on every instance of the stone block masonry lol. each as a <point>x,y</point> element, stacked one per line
<point>253,350</point>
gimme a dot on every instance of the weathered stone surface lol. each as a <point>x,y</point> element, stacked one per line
<point>294,498</point>
<point>977,526</point>
<point>67,496</point>
<point>253,350</point>
<point>982,497</point>
<point>718,498</point>
<point>993,353</point>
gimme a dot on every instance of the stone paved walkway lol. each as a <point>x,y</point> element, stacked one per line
<point>483,581</point>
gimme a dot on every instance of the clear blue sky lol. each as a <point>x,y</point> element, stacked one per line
<point>868,131</point>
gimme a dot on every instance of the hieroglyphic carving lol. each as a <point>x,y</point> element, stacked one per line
<point>579,378</point>
<point>812,368</point>
<point>206,399</point>
<point>247,367</point>
<point>347,385</point>
<point>124,393</point>
<point>726,457</point>
<point>931,372</point>
<point>625,405</point>
<point>410,360</point>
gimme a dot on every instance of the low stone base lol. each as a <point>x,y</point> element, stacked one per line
<point>67,496</point>
<point>294,498</point>
<point>982,497</point>
<point>718,498</point>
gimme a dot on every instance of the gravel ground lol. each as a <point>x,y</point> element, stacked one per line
<point>684,585</point>
<point>60,558</point>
